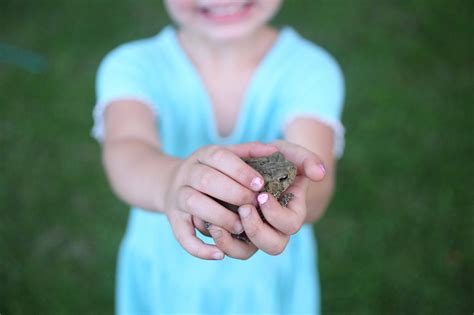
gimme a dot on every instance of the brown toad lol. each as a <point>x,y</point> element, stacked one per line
<point>278,174</point>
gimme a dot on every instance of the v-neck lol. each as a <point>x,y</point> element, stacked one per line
<point>250,90</point>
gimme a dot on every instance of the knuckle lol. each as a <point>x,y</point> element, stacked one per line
<point>179,238</point>
<point>217,235</point>
<point>293,227</point>
<point>189,198</point>
<point>198,252</point>
<point>202,151</point>
<point>193,251</point>
<point>276,249</point>
<point>205,178</point>
<point>246,172</point>
<point>228,225</point>
<point>186,243</point>
<point>243,256</point>
<point>217,154</point>
<point>243,196</point>
<point>220,242</point>
<point>270,216</point>
<point>252,230</point>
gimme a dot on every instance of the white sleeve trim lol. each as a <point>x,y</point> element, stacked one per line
<point>98,131</point>
<point>334,124</point>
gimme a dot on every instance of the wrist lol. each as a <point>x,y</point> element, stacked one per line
<point>165,182</point>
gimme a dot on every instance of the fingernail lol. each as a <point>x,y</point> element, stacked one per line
<point>262,198</point>
<point>218,255</point>
<point>256,183</point>
<point>244,212</point>
<point>215,232</point>
<point>323,169</point>
<point>238,228</point>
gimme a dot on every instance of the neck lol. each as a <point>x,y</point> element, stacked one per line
<point>246,51</point>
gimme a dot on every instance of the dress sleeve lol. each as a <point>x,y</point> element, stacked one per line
<point>316,90</point>
<point>122,75</point>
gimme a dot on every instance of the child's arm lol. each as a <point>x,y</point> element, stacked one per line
<point>143,176</point>
<point>321,142</point>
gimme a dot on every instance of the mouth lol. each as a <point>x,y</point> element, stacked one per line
<point>226,12</point>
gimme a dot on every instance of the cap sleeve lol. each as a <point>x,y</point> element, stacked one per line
<point>121,75</point>
<point>316,90</point>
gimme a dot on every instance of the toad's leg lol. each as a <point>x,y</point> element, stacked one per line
<point>285,199</point>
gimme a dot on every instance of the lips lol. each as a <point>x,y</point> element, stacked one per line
<point>226,12</point>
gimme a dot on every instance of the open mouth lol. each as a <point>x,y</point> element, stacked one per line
<point>226,12</point>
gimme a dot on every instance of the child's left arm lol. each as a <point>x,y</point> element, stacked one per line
<point>318,138</point>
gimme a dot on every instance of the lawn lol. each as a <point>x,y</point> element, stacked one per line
<point>398,236</point>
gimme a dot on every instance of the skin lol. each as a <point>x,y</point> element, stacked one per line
<point>143,176</point>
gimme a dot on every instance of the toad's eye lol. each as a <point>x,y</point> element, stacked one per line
<point>283,178</point>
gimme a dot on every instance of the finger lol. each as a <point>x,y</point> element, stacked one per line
<point>213,183</point>
<point>185,234</point>
<point>253,149</point>
<point>201,226</point>
<point>262,235</point>
<point>286,220</point>
<point>228,163</point>
<point>307,162</point>
<point>298,188</point>
<point>203,207</point>
<point>229,245</point>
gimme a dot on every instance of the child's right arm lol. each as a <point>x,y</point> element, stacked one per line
<point>144,177</point>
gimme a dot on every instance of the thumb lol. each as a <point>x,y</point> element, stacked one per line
<point>307,162</point>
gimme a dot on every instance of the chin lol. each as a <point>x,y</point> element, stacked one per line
<point>227,34</point>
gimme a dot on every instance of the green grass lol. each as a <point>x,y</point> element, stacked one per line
<point>398,237</point>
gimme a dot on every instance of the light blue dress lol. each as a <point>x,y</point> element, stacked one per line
<point>155,275</point>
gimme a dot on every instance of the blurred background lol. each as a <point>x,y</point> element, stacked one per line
<point>398,237</point>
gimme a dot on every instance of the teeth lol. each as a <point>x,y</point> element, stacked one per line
<point>225,10</point>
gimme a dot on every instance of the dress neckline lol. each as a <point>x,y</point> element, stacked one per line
<point>250,91</point>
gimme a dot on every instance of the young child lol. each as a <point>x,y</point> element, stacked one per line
<point>175,114</point>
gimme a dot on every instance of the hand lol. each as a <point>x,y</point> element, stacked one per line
<point>217,172</point>
<point>272,237</point>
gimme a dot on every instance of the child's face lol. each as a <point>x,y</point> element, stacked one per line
<point>222,20</point>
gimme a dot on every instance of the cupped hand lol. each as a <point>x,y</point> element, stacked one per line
<point>282,222</point>
<point>212,172</point>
